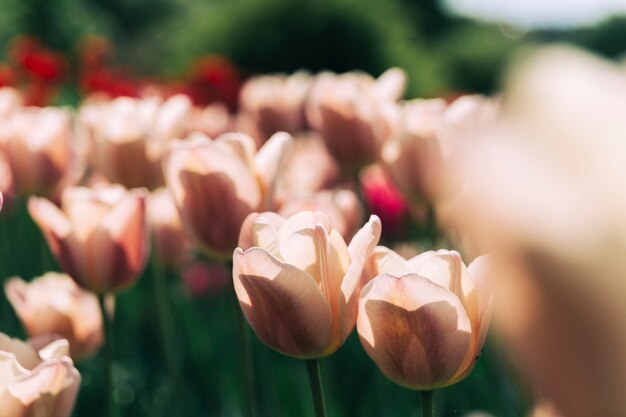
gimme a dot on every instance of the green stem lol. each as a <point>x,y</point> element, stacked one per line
<point>110,409</point>
<point>317,391</point>
<point>246,361</point>
<point>166,325</point>
<point>427,404</point>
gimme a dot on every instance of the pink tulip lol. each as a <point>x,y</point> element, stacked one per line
<point>170,242</point>
<point>98,236</point>
<point>298,282</point>
<point>275,103</point>
<point>38,147</point>
<point>424,320</point>
<point>130,136</point>
<point>217,183</point>
<point>32,383</point>
<point>355,114</point>
<point>54,304</point>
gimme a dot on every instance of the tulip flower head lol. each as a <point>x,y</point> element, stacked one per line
<point>36,383</point>
<point>424,320</point>
<point>298,282</point>
<point>130,136</point>
<point>98,236</point>
<point>217,183</point>
<point>37,143</point>
<point>355,114</point>
<point>54,304</point>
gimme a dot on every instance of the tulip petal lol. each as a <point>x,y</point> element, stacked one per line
<point>416,331</point>
<point>479,271</point>
<point>283,304</point>
<point>268,161</point>
<point>384,260</point>
<point>360,248</point>
<point>442,267</point>
<point>300,221</point>
<point>261,236</point>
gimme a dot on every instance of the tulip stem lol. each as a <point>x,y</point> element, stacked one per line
<point>427,404</point>
<point>317,391</point>
<point>166,325</point>
<point>247,368</point>
<point>106,304</point>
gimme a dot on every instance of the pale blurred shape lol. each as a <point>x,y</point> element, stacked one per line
<point>36,383</point>
<point>544,191</point>
<point>54,304</point>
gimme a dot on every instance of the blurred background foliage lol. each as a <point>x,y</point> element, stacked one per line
<point>442,54</point>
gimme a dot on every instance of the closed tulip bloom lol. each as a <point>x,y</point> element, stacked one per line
<point>217,183</point>
<point>38,146</point>
<point>170,242</point>
<point>355,114</point>
<point>426,137</point>
<point>341,206</point>
<point>130,136</point>
<point>36,383</point>
<point>424,320</point>
<point>298,282</point>
<point>54,304</point>
<point>98,236</point>
<point>275,103</point>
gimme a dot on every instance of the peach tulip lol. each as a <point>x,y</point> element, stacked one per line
<point>98,236</point>
<point>130,136</point>
<point>545,193</point>
<point>38,146</point>
<point>275,103</point>
<point>341,206</point>
<point>54,304</point>
<point>36,383</point>
<point>424,320</point>
<point>355,114</point>
<point>298,282</point>
<point>428,133</point>
<point>217,183</point>
<point>170,242</point>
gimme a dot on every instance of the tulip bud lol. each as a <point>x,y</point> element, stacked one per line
<point>39,149</point>
<point>424,320</point>
<point>275,103</point>
<point>298,282</point>
<point>355,114</point>
<point>130,136</point>
<point>98,236</point>
<point>217,183</point>
<point>170,242</point>
<point>43,383</point>
<point>54,304</point>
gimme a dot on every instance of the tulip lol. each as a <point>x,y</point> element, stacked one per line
<point>217,183</point>
<point>298,282</point>
<point>275,103</point>
<point>423,321</point>
<point>341,206</point>
<point>10,100</point>
<point>212,120</point>
<point>130,136</point>
<point>545,194</point>
<point>355,114</point>
<point>38,146</point>
<point>170,242</point>
<point>99,236</point>
<point>54,304</point>
<point>32,383</point>
<point>428,133</point>
<point>307,168</point>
